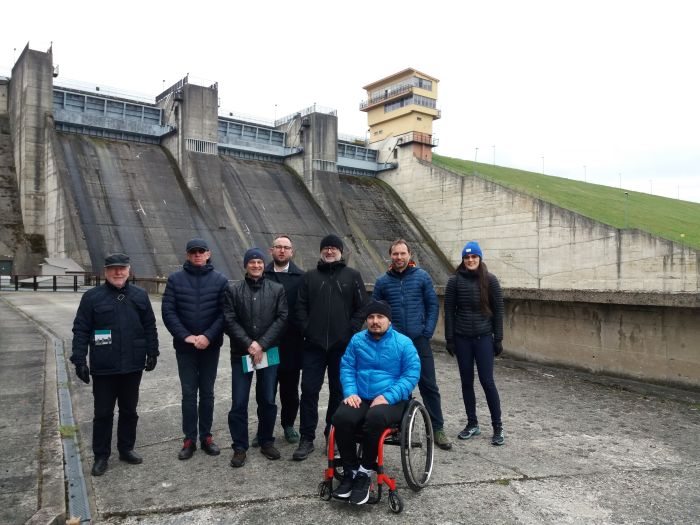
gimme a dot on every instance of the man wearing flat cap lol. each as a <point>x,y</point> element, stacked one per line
<point>378,371</point>
<point>329,312</point>
<point>116,327</point>
<point>255,316</point>
<point>192,314</point>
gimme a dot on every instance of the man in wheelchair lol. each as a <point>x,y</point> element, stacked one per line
<point>379,370</point>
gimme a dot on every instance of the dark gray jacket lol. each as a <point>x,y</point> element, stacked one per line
<point>254,311</point>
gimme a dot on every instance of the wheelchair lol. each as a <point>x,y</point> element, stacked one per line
<point>414,434</point>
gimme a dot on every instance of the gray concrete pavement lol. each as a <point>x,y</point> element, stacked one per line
<point>579,449</point>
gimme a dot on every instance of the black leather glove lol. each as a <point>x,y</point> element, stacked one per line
<point>450,347</point>
<point>151,362</point>
<point>497,347</point>
<point>83,373</point>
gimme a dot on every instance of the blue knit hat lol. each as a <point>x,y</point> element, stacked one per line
<point>472,248</point>
<point>253,253</point>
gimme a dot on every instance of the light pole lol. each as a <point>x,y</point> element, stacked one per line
<point>494,154</point>
<point>584,173</point>
<point>543,165</point>
<point>476,152</point>
<point>627,195</point>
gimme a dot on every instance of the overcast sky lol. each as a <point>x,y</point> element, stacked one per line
<point>606,90</point>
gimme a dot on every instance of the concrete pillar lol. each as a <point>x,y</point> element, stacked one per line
<point>194,111</point>
<point>30,103</point>
<point>318,134</point>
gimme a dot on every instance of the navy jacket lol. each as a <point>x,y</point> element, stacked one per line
<point>127,315</point>
<point>463,314</point>
<point>330,304</point>
<point>414,303</point>
<point>192,305</point>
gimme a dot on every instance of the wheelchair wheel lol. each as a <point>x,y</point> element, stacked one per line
<point>417,442</point>
<point>395,502</point>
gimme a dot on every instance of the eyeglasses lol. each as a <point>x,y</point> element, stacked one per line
<point>198,251</point>
<point>469,257</point>
<point>280,247</point>
<point>330,249</point>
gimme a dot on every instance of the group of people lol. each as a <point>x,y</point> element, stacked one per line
<point>286,326</point>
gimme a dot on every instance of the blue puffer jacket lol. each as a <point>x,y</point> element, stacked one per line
<point>192,305</point>
<point>414,304</point>
<point>388,367</point>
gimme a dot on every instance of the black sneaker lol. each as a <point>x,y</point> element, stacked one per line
<point>188,448</point>
<point>360,489</point>
<point>209,447</point>
<point>469,431</point>
<point>345,488</point>
<point>498,437</point>
<point>302,452</point>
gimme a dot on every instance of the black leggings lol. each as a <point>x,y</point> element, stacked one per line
<point>480,350</point>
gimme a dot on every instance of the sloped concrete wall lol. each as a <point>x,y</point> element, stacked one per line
<point>529,243</point>
<point>117,196</point>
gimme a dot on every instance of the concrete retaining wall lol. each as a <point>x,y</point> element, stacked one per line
<point>529,243</point>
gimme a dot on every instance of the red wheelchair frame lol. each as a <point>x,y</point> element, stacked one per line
<point>414,434</point>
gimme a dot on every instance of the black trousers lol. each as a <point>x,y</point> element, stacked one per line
<point>108,390</point>
<point>315,361</point>
<point>288,374</point>
<point>370,423</point>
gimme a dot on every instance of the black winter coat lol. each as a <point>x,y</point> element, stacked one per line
<point>463,315</point>
<point>192,305</point>
<point>330,304</point>
<point>128,315</point>
<point>254,311</point>
<point>291,279</point>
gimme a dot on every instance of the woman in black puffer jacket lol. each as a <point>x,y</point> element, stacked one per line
<point>474,332</point>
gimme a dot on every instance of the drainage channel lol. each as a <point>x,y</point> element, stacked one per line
<point>78,503</point>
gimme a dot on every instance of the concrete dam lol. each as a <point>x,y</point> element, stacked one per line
<point>132,197</point>
<point>84,173</point>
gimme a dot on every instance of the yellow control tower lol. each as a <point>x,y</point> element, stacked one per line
<point>403,105</point>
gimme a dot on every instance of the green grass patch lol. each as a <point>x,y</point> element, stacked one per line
<point>503,481</point>
<point>67,431</point>
<point>671,219</point>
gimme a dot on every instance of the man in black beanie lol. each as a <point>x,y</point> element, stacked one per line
<point>329,311</point>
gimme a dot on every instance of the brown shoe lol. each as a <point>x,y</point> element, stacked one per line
<point>270,452</point>
<point>238,459</point>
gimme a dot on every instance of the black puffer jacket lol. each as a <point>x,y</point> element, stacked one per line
<point>330,303</point>
<point>128,316</point>
<point>463,315</point>
<point>254,311</point>
<point>192,305</point>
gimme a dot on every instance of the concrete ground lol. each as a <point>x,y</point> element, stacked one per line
<point>579,448</point>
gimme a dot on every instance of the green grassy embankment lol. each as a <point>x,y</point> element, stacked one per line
<point>671,219</point>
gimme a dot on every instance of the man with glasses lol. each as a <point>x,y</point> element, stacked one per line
<point>283,270</point>
<point>192,314</point>
<point>329,312</point>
